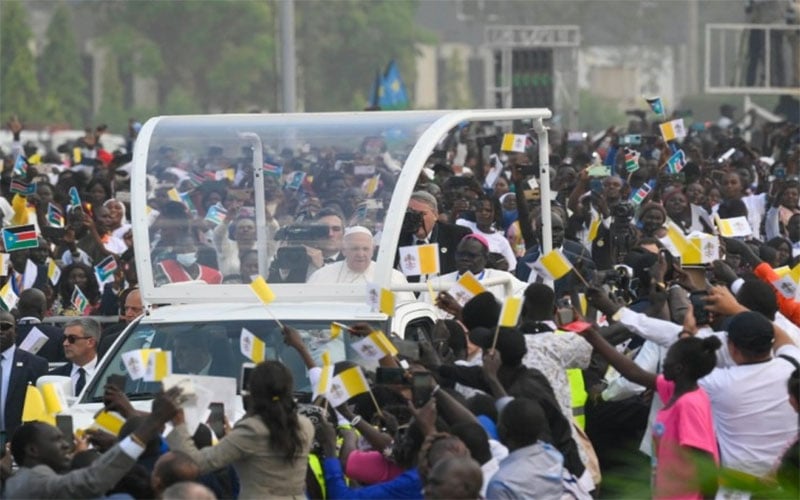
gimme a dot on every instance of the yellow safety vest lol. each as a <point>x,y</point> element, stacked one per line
<point>578,391</point>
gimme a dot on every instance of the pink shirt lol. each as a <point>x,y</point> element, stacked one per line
<point>371,467</point>
<point>686,424</point>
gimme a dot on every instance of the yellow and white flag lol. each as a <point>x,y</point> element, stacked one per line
<point>733,227</point>
<point>8,297</point>
<point>465,288</point>
<point>789,283</point>
<point>135,362</point>
<point>677,239</point>
<point>514,142</point>
<point>252,347</point>
<point>380,299</point>
<point>347,384</point>
<point>174,195</point>
<point>552,266</point>
<point>326,376</point>
<point>337,329</point>
<point>672,130</point>
<point>34,408</point>
<point>5,258</point>
<point>227,173</point>
<point>509,314</point>
<point>375,346</point>
<point>594,227</point>
<point>53,271</point>
<point>159,365</point>
<point>416,260</point>
<point>54,400</point>
<point>371,185</point>
<point>108,421</point>
<point>262,290</point>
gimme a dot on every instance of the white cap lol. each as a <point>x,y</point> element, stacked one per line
<point>356,230</point>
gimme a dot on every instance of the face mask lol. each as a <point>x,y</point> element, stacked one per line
<point>186,259</point>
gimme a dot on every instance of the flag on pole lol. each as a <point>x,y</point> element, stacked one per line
<point>79,300</point>
<point>216,214</point>
<point>553,265</point>
<point>375,346</point>
<point>509,314</point>
<point>252,347</point>
<point>676,162</point>
<point>639,196</point>
<point>514,142</point>
<point>656,104</point>
<point>672,130</point>
<point>55,217</point>
<point>135,362</point>
<point>371,185</point>
<point>74,197</point>
<point>349,383</point>
<point>23,188</point>
<point>226,173</point>
<point>270,169</point>
<point>465,288</point>
<point>53,271</point>
<point>594,226</point>
<point>20,237</point>
<point>631,160</point>
<point>416,260</point>
<point>262,290</point>
<point>325,377</point>
<point>337,329</point>
<point>380,299</point>
<point>788,284</point>
<point>392,92</point>
<point>109,421</point>
<point>733,227</point>
<point>20,166</point>
<point>8,298</point>
<point>53,399</point>
<point>159,365</point>
<point>105,269</point>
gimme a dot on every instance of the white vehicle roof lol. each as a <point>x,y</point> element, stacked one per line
<point>171,151</point>
<point>187,313</point>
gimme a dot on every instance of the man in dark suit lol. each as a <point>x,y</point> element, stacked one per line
<point>202,353</point>
<point>17,369</point>
<point>32,307</point>
<point>81,338</point>
<point>432,231</point>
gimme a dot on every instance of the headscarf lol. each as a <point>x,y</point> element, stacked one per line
<point>509,216</point>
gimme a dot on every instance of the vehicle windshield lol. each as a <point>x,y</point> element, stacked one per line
<point>321,175</point>
<point>212,348</point>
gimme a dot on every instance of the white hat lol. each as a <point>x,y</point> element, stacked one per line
<point>356,230</point>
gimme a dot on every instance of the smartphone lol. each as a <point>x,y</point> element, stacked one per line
<point>699,307</point>
<point>630,140</point>
<point>564,312</point>
<point>216,419</point>
<point>577,136</point>
<point>596,185</point>
<point>390,376</point>
<point>421,388</point>
<point>244,380</point>
<point>117,380</point>
<point>64,424</point>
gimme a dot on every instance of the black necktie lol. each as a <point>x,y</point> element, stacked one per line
<point>81,381</point>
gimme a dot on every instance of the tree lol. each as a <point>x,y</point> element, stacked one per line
<point>111,110</point>
<point>19,90</point>
<point>220,53</point>
<point>455,86</point>
<point>61,73</point>
<point>342,43</point>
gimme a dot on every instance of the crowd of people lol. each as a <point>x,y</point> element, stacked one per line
<point>664,362</point>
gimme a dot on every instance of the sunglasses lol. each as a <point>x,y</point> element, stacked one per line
<point>74,338</point>
<point>5,325</point>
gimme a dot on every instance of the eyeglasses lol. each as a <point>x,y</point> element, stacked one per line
<point>5,325</point>
<point>74,338</point>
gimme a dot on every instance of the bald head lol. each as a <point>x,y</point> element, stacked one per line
<point>32,302</point>
<point>458,477</point>
<point>173,467</point>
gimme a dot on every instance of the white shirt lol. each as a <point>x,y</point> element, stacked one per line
<point>7,365</point>
<point>338,272</point>
<point>89,368</point>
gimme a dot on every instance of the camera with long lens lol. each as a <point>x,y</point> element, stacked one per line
<point>303,233</point>
<point>619,281</point>
<point>293,256</point>
<point>412,221</point>
<point>622,212</point>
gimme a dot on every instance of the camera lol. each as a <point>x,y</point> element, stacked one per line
<point>622,211</point>
<point>411,222</point>
<point>305,232</point>
<point>620,282</point>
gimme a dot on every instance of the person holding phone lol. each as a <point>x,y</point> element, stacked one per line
<point>269,447</point>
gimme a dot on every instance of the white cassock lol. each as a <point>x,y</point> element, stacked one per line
<point>338,272</point>
<point>499,291</point>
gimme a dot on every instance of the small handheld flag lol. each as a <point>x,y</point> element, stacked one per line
<point>79,300</point>
<point>105,269</point>
<point>733,227</point>
<point>216,214</point>
<point>53,271</point>
<point>416,260</point>
<point>262,290</point>
<point>20,237</point>
<point>509,314</point>
<point>20,166</point>
<point>639,196</point>
<point>337,329</point>
<point>55,217</point>
<point>656,104</point>
<point>109,421</point>
<point>672,130</point>
<point>159,365</point>
<point>270,169</point>
<point>23,188</point>
<point>252,347</point>
<point>8,298</point>
<point>74,197</point>
<point>553,265</point>
<point>631,160</point>
<point>372,185</point>
<point>375,346</point>
<point>465,288</point>
<point>34,408</point>
<point>380,299</point>
<point>676,162</point>
<point>345,385</point>
<point>514,142</point>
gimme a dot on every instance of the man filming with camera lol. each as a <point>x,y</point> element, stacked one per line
<point>421,226</point>
<point>308,247</point>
